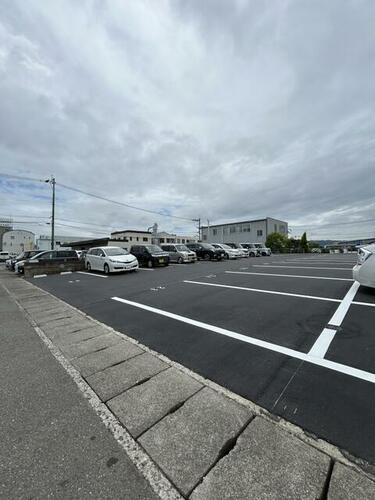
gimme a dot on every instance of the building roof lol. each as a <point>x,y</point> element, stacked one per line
<point>97,242</point>
<point>131,231</point>
<point>243,222</point>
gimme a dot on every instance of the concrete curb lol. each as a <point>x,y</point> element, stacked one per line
<point>191,431</point>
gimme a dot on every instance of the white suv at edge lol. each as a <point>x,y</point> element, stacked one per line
<point>110,260</point>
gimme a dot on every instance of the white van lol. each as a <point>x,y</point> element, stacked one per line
<point>5,256</point>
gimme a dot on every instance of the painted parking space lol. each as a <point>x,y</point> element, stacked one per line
<point>275,309</point>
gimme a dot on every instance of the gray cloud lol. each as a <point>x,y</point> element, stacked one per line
<point>223,110</point>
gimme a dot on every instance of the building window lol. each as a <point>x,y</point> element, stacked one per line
<point>12,237</point>
<point>225,230</point>
<point>145,239</point>
<point>259,232</point>
<point>161,240</point>
<point>214,232</point>
<point>246,228</point>
<point>137,238</point>
<point>205,237</point>
<point>282,229</point>
<point>275,228</point>
<point>182,241</point>
<point>131,238</point>
<point>232,229</point>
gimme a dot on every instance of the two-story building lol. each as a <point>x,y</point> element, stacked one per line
<point>251,231</point>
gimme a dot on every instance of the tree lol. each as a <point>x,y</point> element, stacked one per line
<point>277,242</point>
<point>304,245</point>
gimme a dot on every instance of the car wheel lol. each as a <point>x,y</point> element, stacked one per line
<point>149,263</point>
<point>206,256</point>
<point>106,268</point>
<point>179,260</point>
<point>88,266</point>
<point>227,256</point>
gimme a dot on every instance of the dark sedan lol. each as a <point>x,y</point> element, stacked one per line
<point>150,255</point>
<point>206,251</point>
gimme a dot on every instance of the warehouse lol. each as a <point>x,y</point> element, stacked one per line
<point>251,231</point>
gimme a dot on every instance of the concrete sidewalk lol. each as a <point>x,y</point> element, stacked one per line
<point>203,441</point>
<point>53,445</point>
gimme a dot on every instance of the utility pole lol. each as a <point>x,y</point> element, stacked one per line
<point>199,227</point>
<point>52,181</point>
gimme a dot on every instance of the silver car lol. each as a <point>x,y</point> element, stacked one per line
<point>179,253</point>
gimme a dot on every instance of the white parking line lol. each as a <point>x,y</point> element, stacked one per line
<point>343,308</point>
<point>274,292</point>
<point>325,363</point>
<point>66,272</point>
<point>92,274</point>
<point>321,345</point>
<point>145,269</point>
<point>291,276</point>
<point>40,276</point>
<point>258,290</point>
<point>307,267</point>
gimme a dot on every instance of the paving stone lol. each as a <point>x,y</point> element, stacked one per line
<point>97,361</point>
<point>142,406</point>
<point>347,484</point>
<point>65,339</point>
<point>65,320</point>
<point>80,324</point>
<point>266,463</point>
<point>116,379</point>
<point>91,345</point>
<point>42,315</point>
<point>45,305</point>
<point>186,443</point>
<point>43,319</point>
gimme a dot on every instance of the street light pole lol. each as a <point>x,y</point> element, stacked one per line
<point>52,181</point>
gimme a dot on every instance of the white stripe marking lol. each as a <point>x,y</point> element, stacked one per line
<point>144,269</point>
<point>302,267</point>
<point>92,274</point>
<point>291,276</point>
<point>40,276</point>
<point>325,363</point>
<point>322,343</point>
<point>343,308</point>
<point>66,272</point>
<point>258,290</point>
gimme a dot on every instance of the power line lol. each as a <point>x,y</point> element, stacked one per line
<point>99,197</point>
<point>22,178</point>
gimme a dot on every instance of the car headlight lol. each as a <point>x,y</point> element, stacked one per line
<point>363,255</point>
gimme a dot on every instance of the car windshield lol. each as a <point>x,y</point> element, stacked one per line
<point>258,245</point>
<point>182,248</point>
<point>112,251</point>
<point>208,247</point>
<point>226,246</point>
<point>154,248</point>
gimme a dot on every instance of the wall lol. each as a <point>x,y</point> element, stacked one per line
<point>277,226</point>
<point>52,268</point>
<point>241,233</point>
<point>18,240</point>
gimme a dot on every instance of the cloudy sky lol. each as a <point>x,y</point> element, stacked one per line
<point>219,109</point>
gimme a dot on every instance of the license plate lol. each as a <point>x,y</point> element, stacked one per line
<point>161,260</point>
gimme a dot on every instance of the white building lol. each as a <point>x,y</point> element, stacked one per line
<point>130,237</point>
<point>18,240</point>
<point>44,241</point>
<point>164,237</point>
<point>251,231</point>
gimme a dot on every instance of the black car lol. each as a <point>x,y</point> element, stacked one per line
<point>150,255</point>
<point>22,256</point>
<point>206,251</point>
<point>52,256</point>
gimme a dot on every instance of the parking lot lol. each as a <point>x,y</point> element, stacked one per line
<point>292,333</point>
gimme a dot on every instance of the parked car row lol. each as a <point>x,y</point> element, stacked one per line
<point>115,259</point>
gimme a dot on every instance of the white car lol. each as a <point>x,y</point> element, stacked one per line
<point>263,250</point>
<point>364,271</point>
<point>230,253</point>
<point>4,256</point>
<point>110,260</point>
<point>244,252</point>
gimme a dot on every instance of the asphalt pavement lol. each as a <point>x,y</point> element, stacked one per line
<point>292,333</point>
